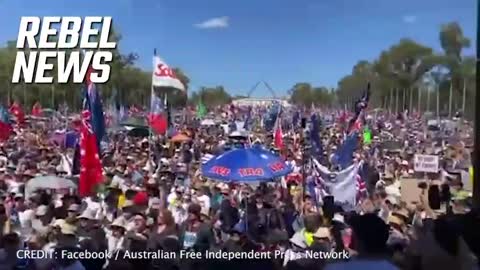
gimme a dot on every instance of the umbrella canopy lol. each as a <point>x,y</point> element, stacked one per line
<point>48,182</point>
<point>139,132</point>
<point>208,122</point>
<point>245,165</point>
<point>180,138</point>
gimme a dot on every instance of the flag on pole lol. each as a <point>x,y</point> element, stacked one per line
<point>37,109</point>
<point>5,124</point>
<point>157,119</point>
<point>168,112</point>
<point>93,103</point>
<point>164,76</point>
<point>315,140</point>
<point>201,109</point>
<point>278,134</point>
<point>90,165</point>
<point>367,136</point>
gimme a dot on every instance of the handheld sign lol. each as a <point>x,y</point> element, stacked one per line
<point>426,163</point>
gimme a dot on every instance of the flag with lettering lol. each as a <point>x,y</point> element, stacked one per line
<point>164,76</point>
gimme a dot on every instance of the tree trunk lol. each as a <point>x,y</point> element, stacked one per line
<point>428,99</point>
<point>410,104</point>
<point>391,101</point>
<point>464,95</point>
<point>438,101</point>
<point>396,101</point>
<point>450,100</point>
<point>53,97</point>
<point>419,99</point>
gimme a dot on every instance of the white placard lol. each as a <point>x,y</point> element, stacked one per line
<point>426,163</point>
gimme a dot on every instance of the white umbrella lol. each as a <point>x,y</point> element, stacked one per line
<point>48,182</point>
<point>208,122</point>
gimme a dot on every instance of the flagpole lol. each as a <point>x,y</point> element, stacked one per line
<point>150,135</point>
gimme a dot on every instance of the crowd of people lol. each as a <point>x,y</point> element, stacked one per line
<point>154,198</point>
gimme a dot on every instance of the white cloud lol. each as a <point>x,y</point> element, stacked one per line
<point>409,19</point>
<point>220,22</point>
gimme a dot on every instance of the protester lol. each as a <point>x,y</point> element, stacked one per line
<point>151,194</point>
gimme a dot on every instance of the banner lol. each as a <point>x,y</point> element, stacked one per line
<point>164,76</point>
<point>426,163</point>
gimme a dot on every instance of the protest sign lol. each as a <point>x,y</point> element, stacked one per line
<point>426,163</point>
<point>410,191</point>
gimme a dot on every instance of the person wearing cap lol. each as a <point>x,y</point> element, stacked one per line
<point>298,246</point>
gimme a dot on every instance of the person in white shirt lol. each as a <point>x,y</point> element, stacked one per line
<point>203,200</point>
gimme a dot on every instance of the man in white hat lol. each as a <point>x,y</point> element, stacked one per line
<point>40,223</point>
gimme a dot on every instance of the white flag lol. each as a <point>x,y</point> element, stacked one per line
<point>164,76</point>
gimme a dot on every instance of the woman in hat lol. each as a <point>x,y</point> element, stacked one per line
<point>115,236</point>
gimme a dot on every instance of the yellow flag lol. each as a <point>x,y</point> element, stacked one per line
<point>121,201</point>
<point>308,237</point>
<point>471,174</point>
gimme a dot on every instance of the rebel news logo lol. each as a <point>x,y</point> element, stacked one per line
<point>75,43</point>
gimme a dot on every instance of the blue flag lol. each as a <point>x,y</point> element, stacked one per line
<point>5,116</point>
<point>316,142</point>
<point>344,155</point>
<point>93,103</point>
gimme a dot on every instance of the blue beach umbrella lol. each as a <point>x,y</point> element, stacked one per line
<point>245,165</point>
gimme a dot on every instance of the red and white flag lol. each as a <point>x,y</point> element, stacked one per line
<point>17,111</point>
<point>90,164</point>
<point>278,134</point>
<point>164,76</point>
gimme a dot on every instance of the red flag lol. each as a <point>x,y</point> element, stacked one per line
<point>90,165</point>
<point>5,131</point>
<point>157,119</point>
<point>37,109</point>
<point>158,122</point>
<point>17,111</point>
<point>278,134</point>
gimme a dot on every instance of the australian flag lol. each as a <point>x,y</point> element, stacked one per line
<point>344,155</point>
<point>93,103</point>
<point>316,142</point>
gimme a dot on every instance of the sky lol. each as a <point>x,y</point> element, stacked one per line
<point>236,43</point>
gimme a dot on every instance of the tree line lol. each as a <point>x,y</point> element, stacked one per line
<point>408,75</point>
